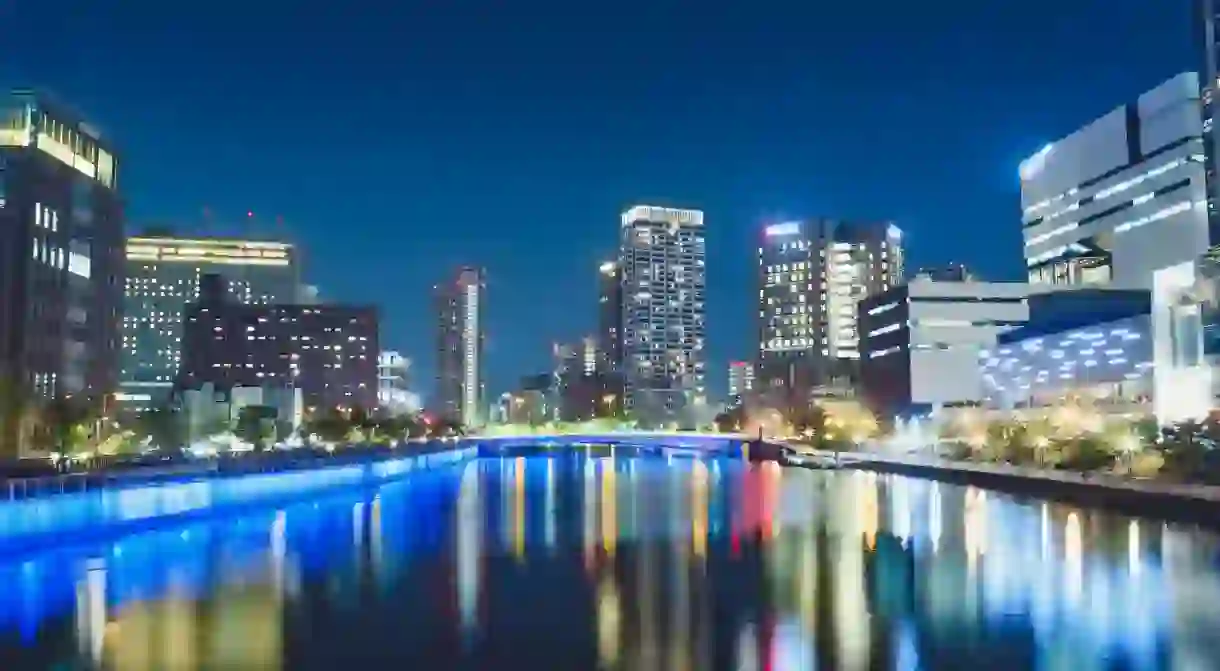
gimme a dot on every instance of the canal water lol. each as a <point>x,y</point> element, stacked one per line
<point>627,562</point>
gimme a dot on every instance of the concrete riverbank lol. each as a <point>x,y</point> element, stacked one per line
<point>1197,504</point>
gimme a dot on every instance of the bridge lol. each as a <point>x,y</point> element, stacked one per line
<point>670,442</point>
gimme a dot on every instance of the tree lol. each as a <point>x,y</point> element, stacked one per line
<point>329,425</point>
<point>811,418</point>
<point>18,415</point>
<point>162,426</point>
<point>256,425</point>
<point>65,423</point>
<point>732,420</point>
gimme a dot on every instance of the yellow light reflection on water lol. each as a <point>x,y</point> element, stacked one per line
<point>609,507</point>
<point>609,621</point>
<point>698,505</point>
<point>519,508</point>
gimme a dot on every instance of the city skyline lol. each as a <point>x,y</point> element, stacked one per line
<point>770,162</point>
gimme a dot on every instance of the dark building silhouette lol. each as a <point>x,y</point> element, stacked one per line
<point>329,352</point>
<point>610,318</point>
<point>61,256</point>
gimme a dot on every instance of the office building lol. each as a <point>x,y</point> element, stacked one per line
<point>920,342</point>
<point>61,250</point>
<point>811,275</point>
<point>741,379</point>
<point>459,352</point>
<point>662,257</point>
<point>163,274</point>
<point>610,317</point>
<point>328,352</point>
<point>1122,198</point>
<point>1094,345</point>
<point>394,395</point>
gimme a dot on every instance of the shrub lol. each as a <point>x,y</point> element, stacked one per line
<point>1146,464</point>
<point>1087,453</point>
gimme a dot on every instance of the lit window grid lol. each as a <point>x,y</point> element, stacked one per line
<point>156,297</point>
<point>663,326</point>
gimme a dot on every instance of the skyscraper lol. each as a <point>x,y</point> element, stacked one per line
<point>459,351</point>
<point>610,318</point>
<point>811,275</point>
<point>61,251</point>
<point>163,273</point>
<point>662,256</point>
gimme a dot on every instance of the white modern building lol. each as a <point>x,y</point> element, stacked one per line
<point>460,384</point>
<point>920,342</point>
<point>1124,201</point>
<point>662,257</point>
<point>1121,198</point>
<point>393,392</point>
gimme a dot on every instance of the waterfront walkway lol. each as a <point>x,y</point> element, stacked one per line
<point>1117,483</point>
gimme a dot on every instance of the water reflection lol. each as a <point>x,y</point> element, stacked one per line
<point>619,562</point>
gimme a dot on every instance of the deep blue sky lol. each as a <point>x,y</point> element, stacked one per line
<point>400,139</point>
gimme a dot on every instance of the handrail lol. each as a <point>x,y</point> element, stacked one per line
<point>19,488</point>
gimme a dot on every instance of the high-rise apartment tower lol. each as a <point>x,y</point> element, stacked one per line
<point>459,354</point>
<point>661,258</point>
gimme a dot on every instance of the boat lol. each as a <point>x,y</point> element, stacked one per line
<point>790,457</point>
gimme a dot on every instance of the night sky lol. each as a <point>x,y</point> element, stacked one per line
<point>395,140</point>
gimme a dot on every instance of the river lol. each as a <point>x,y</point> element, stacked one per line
<point>626,562</point>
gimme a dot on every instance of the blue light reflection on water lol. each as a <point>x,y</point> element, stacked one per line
<point>31,521</point>
<point>572,562</point>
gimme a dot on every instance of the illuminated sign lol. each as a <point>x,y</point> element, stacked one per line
<point>789,228</point>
